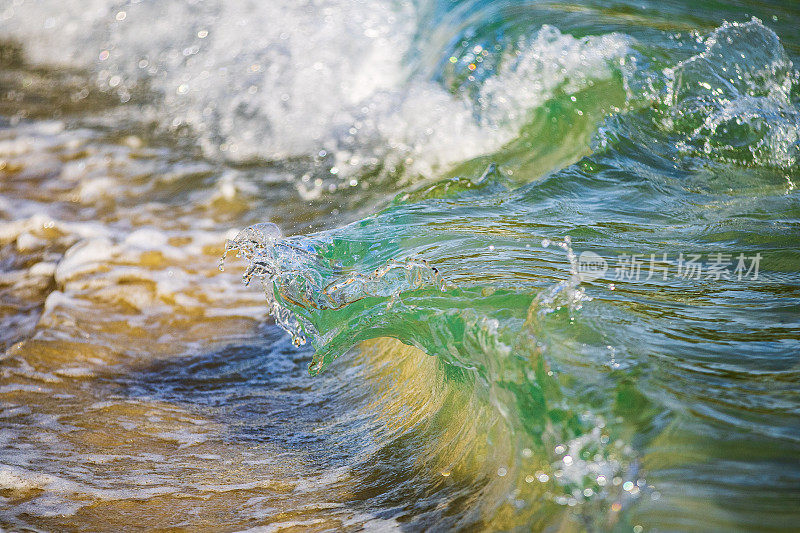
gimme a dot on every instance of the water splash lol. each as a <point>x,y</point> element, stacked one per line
<point>735,98</point>
<point>568,292</point>
<point>733,103</point>
<point>299,274</point>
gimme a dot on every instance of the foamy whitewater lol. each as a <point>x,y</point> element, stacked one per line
<point>258,82</point>
<point>485,265</point>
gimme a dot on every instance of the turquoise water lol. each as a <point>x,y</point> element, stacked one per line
<point>580,221</point>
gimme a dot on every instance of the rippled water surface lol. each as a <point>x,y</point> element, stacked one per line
<point>507,265</point>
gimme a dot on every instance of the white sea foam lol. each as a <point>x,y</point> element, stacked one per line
<point>19,479</point>
<point>286,78</point>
